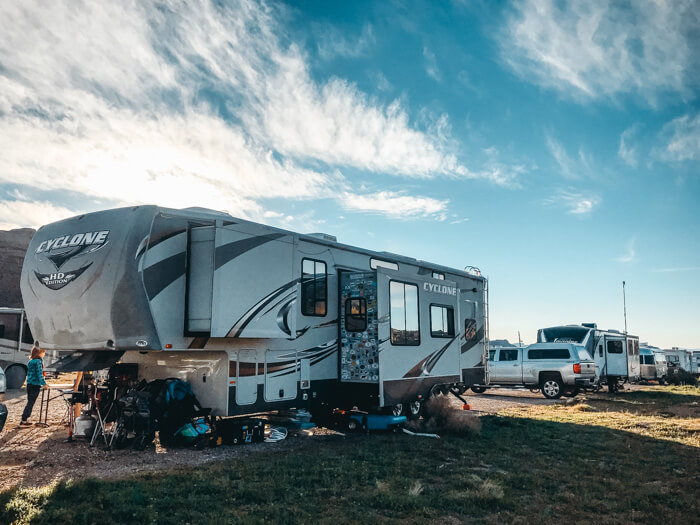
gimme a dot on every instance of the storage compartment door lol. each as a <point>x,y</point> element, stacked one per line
<point>200,276</point>
<point>246,377</point>
<point>281,375</point>
<point>616,357</point>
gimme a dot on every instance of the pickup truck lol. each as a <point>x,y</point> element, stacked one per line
<point>554,368</point>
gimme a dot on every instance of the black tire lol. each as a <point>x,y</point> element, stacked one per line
<point>396,410</point>
<point>535,390</point>
<point>552,387</point>
<point>478,389</point>
<point>15,376</point>
<point>414,409</point>
<point>353,425</point>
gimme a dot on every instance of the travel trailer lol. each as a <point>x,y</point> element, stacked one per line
<point>681,358</point>
<point>615,353</point>
<point>652,363</point>
<point>15,343</point>
<point>255,318</point>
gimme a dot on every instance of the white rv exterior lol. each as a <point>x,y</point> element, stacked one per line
<point>615,353</point>
<point>254,317</point>
<point>682,358</point>
<point>15,344</point>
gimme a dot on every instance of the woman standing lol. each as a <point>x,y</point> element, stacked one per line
<point>35,381</point>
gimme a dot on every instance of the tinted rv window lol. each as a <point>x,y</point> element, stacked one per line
<point>9,326</point>
<point>313,287</point>
<point>442,321</point>
<point>614,347</point>
<point>356,314</point>
<point>548,353</point>
<point>438,275</point>
<point>27,334</point>
<point>404,313</point>
<point>376,263</point>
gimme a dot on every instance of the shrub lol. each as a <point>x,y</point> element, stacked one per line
<point>681,377</point>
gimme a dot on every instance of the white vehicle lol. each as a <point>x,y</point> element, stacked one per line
<point>652,364</point>
<point>3,384</point>
<point>616,354</point>
<point>681,358</point>
<point>554,368</point>
<point>15,344</point>
<point>255,318</point>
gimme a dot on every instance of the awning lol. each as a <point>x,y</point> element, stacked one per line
<point>83,360</point>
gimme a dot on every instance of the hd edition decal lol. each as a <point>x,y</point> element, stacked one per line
<point>61,252</point>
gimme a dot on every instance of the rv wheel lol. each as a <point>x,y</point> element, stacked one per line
<point>353,425</point>
<point>478,389</point>
<point>552,388</point>
<point>15,376</point>
<point>397,410</point>
<point>414,409</point>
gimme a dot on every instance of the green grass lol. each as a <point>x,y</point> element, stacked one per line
<point>562,463</point>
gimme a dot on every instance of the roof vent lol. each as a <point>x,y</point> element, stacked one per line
<point>324,236</point>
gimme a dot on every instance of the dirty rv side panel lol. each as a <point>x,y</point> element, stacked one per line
<point>90,263</point>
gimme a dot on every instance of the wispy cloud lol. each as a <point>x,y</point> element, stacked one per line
<point>682,137</point>
<point>576,167</point>
<point>199,103</point>
<point>626,151</point>
<point>575,202</point>
<point>630,254</point>
<point>396,205</point>
<point>596,48</point>
<point>332,42</point>
<point>431,66</point>
<point>676,269</point>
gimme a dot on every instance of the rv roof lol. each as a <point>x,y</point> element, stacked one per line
<point>323,240</point>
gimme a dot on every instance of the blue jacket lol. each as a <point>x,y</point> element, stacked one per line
<point>35,372</point>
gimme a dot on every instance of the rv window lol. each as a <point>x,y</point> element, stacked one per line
<point>356,314</point>
<point>9,326</point>
<point>27,334</point>
<point>438,275</point>
<point>313,287</point>
<point>404,314</point>
<point>508,355</point>
<point>377,263</point>
<point>442,321</point>
<point>614,347</point>
<point>470,330</point>
<point>548,353</point>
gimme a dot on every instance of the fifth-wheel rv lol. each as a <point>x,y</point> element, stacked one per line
<point>15,343</point>
<point>615,353</point>
<point>254,317</point>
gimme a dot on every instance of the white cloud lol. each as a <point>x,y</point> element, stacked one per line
<point>683,139</point>
<point>191,104</point>
<point>598,48</point>
<point>676,269</point>
<point>630,253</point>
<point>30,214</point>
<point>626,151</point>
<point>575,202</point>
<point>570,167</point>
<point>431,67</point>
<point>396,205</point>
<point>334,43</point>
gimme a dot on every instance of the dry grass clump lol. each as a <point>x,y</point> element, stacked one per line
<point>441,417</point>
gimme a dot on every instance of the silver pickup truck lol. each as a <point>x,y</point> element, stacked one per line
<point>554,368</point>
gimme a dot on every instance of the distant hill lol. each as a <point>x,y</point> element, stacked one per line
<point>13,246</point>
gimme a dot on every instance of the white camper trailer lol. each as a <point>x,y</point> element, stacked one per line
<point>680,358</point>
<point>255,318</point>
<point>615,353</point>
<point>15,344</point>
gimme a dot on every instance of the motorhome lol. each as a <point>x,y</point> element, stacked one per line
<point>616,354</point>
<point>255,318</point>
<point>652,363</point>
<point>15,343</point>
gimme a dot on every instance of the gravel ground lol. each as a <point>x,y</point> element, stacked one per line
<point>35,456</point>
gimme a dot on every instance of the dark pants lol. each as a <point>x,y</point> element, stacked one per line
<point>32,394</point>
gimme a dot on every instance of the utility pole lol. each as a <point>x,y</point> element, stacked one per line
<point>624,304</point>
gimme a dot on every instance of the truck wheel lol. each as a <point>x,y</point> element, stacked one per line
<point>478,389</point>
<point>572,393</point>
<point>414,409</point>
<point>552,388</point>
<point>397,410</point>
<point>353,426</point>
<point>15,376</point>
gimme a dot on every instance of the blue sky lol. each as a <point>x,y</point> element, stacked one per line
<point>555,145</point>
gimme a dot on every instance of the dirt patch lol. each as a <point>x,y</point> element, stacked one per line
<point>35,456</point>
